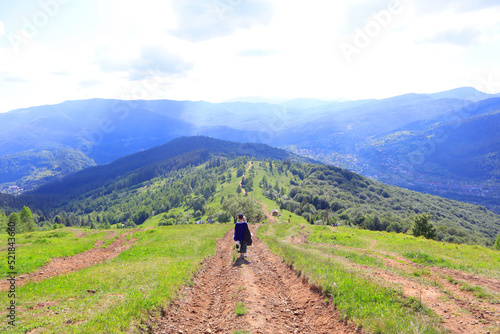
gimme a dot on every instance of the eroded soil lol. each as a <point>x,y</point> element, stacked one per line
<point>274,298</point>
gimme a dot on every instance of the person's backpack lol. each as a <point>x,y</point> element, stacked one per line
<point>248,237</point>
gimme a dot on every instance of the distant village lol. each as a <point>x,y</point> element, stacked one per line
<point>11,189</point>
<point>397,174</point>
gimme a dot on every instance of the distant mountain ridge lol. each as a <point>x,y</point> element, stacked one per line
<point>450,152</point>
<point>191,150</point>
<point>105,130</point>
<point>339,132</point>
<point>464,93</point>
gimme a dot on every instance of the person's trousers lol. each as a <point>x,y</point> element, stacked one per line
<point>243,247</point>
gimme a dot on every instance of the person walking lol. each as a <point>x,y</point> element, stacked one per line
<point>243,235</point>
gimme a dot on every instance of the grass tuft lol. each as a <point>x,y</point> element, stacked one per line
<point>240,309</point>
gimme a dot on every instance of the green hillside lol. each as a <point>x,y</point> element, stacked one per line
<point>193,186</point>
<point>444,147</point>
<point>147,164</point>
<point>31,169</point>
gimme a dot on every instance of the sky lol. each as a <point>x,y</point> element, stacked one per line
<point>216,50</point>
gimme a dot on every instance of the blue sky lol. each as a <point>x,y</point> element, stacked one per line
<point>215,50</point>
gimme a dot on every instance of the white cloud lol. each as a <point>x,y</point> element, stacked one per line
<point>455,6</point>
<point>153,60</point>
<point>460,37</point>
<point>358,13</point>
<point>86,83</point>
<point>200,20</point>
<point>157,60</point>
<point>194,49</point>
<point>257,53</point>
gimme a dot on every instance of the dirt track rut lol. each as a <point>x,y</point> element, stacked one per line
<point>63,265</point>
<point>275,298</point>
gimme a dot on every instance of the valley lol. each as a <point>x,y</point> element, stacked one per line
<point>412,140</point>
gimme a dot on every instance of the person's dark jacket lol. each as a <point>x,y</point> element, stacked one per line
<point>242,233</point>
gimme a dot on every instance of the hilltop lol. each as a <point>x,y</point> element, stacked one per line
<point>28,170</point>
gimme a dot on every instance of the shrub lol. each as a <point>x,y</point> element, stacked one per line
<point>394,227</point>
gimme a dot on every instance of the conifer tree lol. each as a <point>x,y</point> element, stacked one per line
<point>423,226</point>
<point>497,243</point>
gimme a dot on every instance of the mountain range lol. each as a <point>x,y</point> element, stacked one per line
<point>412,140</point>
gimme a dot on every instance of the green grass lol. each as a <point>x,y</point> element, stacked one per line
<point>469,258</point>
<point>110,241</point>
<point>37,248</point>
<point>421,272</point>
<point>342,237</point>
<point>353,256</point>
<point>152,221</point>
<point>240,309</point>
<point>424,258</point>
<point>130,287</point>
<point>480,292</point>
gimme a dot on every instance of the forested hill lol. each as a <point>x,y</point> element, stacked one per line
<point>30,169</point>
<point>176,154</point>
<point>192,179</point>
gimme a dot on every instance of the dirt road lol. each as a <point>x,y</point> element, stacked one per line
<point>274,298</point>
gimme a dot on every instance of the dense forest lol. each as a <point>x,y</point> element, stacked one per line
<point>328,195</point>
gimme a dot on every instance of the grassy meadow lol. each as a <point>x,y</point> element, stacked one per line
<point>124,291</point>
<point>469,258</point>
<point>378,309</point>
